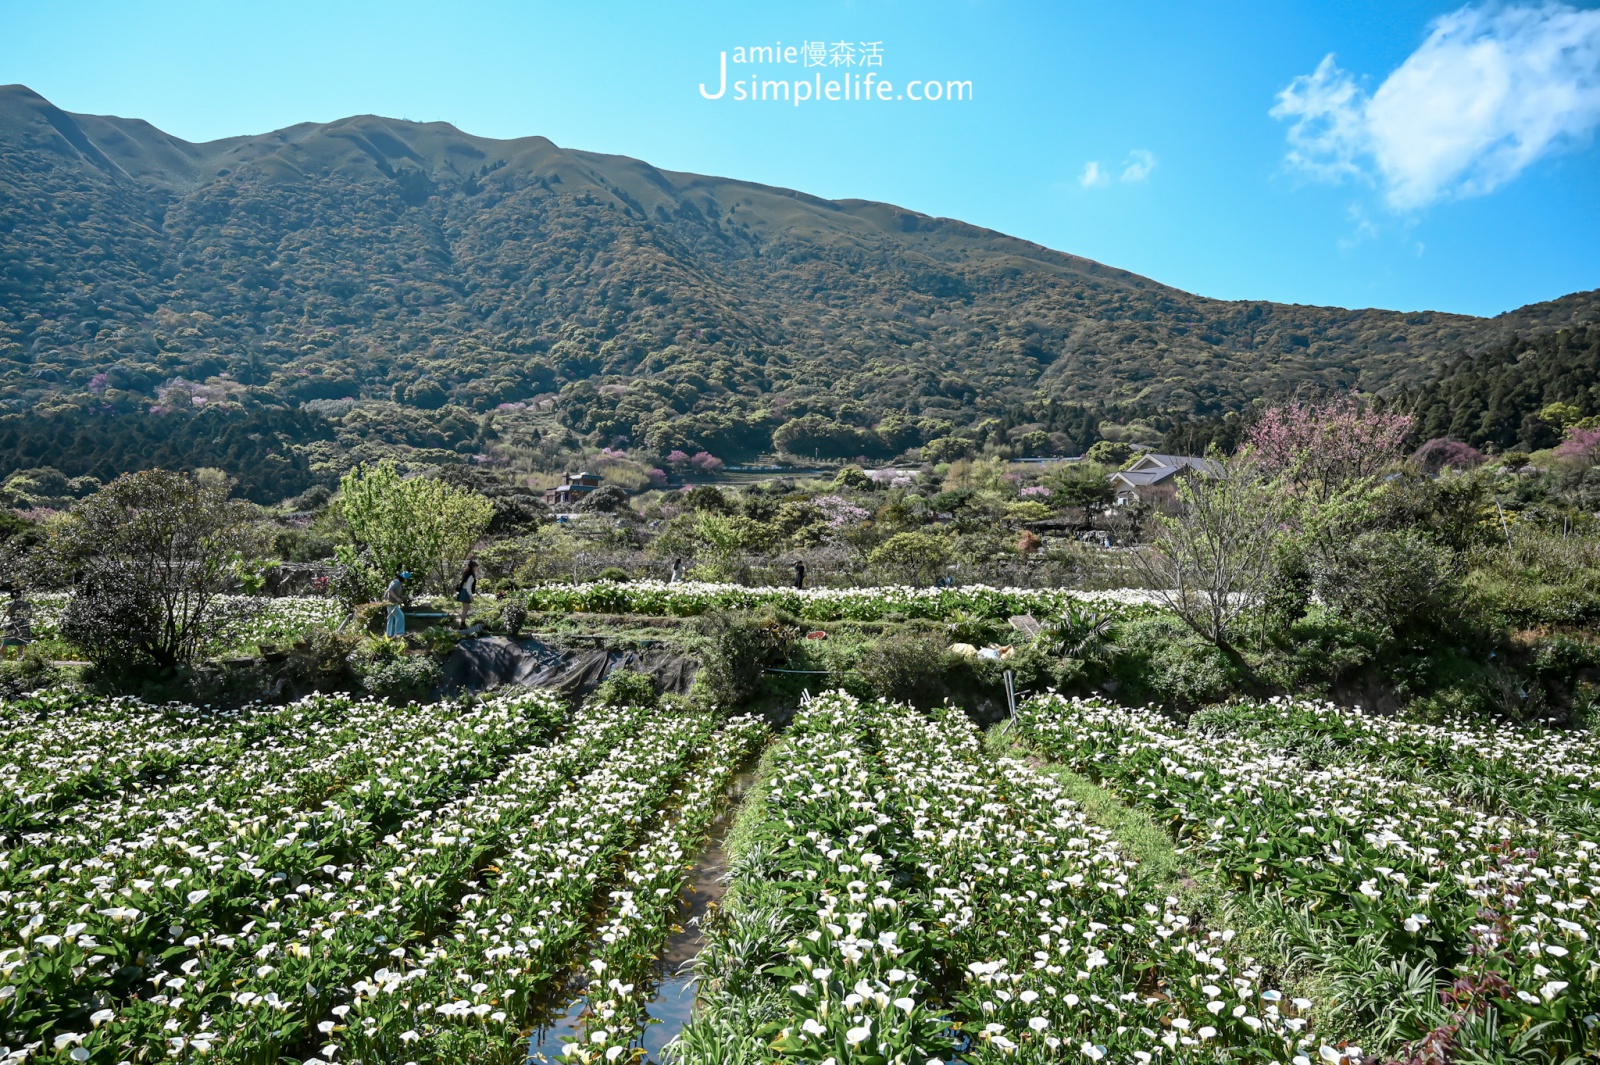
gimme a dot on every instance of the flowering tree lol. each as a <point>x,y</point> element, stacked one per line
<point>1320,448</point>
<point>1581,444</point>
<point>839,512</point>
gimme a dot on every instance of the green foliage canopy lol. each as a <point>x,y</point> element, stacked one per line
<point>419,524</point>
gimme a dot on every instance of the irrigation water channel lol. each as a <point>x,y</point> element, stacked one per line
<point>673,999</point>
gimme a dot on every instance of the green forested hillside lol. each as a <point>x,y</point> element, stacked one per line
<point>438,278</point>
<point>1494,399</point>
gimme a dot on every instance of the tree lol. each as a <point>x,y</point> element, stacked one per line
<point>418,524</point>
<point>155,552</point>
<point>1080,484</point>
<point>1212,561</point>
<point>947,449</point>
<point>1109,453</point>
<point>1320,449</point>
<point>607,500</point>
<point>814,435</point>
<point>852,478</point>
<point>1581,445</point>
<point>916,557</point>
<point>1398,581</point>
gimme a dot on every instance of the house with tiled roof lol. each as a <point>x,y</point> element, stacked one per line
<point>1154,478</point>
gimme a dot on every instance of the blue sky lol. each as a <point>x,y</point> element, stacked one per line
<point>1444,158</point>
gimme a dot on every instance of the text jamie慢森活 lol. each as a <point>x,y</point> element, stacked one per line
<point>841,83</point>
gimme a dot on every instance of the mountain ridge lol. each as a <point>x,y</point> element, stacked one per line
<point>411,267</point>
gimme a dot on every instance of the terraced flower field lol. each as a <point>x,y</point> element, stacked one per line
<point>1464,857</point>
<point>333,879</point>
<point>351,881</point>
<point>901,897</point>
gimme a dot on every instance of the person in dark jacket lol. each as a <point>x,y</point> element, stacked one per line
<point>799,574</point>
<point>467,588</point>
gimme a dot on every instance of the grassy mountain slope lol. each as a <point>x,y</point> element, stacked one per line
<point>416,264</point>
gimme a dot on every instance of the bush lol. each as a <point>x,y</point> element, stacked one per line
<point>405,677</point>
<point>1166,661</point>
<point>29,672</point>
<point>908,668</point>
<point>852,478</point>
<point>626,687</point>
<point>735,647</point>
<point>707,497</point>
<point>1316,652</point>
<point>348,585</point>
<point>517,514</point>
<point>323,664</point>
<point>1395,581</point>
<point>1109,453</point>
<point>112,617</point>
<point>1443,453</point>
<point>606,500</point>
<point>1546,580</point>
<point>913,557</point>
<point>1288,591</point>
<point>511,617</point>
<point>614,573</point>
<point>155,550</point>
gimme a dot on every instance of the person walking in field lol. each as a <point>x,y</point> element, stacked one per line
<point>799,574</point>
<point>466,588</point>
<point>395,596</point>
<point>677,571</point>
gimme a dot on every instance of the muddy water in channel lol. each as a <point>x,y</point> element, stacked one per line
<point>672,1001</point>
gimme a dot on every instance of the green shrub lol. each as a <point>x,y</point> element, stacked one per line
<point>1546,579</point>
<point>511,617</point>
<point>1288,593</point>
<point>30,671</point>
<point>735,646</point>
<point>1562,656</point>
<point>625,687</point>
<point>402,678</point>
<point>1165,661</point>
<point>323,664</point>
<point>1317,651</point>
<point>909,668</point>
<point>912,557</point>
<point>1396,581</point>
<point>438,640</point>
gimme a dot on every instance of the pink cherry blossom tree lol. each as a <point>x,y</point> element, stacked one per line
<point>1321,447</point>
<point>1580,444</point>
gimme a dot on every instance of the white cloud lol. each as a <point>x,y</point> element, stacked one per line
<point>1490,91</point>
<point>1138,165</point>
<point>1093,176</point>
